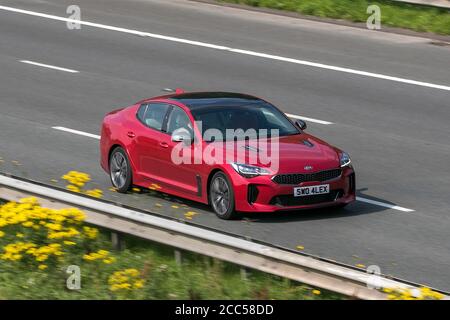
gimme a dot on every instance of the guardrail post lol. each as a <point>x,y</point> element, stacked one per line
<point>178,257</point>
<point>117,241</point>
<point>244,275</point>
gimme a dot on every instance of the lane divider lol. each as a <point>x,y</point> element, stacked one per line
<point>229,49</point>
<point>81,133</point>
<point>48,66</point>
<point>382,204</point>
<point>372,202</point>
<point>308,119</point>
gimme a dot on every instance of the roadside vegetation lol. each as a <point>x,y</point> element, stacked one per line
<point>37,245</point>
<point>393,14</point>
<point>40,247</point>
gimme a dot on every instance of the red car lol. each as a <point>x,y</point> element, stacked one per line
<point>183,144</point>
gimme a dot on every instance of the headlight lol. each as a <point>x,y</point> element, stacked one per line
<point>344,159</point>
<point>249,171</point>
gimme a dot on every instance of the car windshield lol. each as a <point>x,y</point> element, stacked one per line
<point>251,118</point>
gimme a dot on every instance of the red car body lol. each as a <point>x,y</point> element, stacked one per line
<point>304,160</point>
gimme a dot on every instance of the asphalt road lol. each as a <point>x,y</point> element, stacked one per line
<point>397,133</point>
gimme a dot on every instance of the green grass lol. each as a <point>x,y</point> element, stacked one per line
<point>198,277</point>
<point>393,14</point>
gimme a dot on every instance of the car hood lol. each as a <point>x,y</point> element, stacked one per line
<point>300,153</point>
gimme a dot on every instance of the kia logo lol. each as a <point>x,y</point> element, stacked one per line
<point>308,167</point>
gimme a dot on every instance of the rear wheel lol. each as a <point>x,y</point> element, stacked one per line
<point>120,170</point>
<point>221,196</point>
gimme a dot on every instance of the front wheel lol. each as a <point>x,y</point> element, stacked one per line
<point>120,170</point>
<point>221,196</point>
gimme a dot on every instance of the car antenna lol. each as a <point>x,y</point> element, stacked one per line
<point>176,91</point>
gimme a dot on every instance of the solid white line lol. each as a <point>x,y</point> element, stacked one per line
<point>229,49</point>
<point>382,204</point>
<point>308,119</point>
<point>81,133</point>
<point>377,203</point>
<point>49,66</point>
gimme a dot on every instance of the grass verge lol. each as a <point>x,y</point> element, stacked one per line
<point>393,14</point>
<point>37,245</point>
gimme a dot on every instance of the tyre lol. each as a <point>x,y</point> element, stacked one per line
<point>221,196</point>
<point>120,170</point>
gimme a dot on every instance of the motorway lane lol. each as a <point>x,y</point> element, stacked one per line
<point>409,57</point>
<point>382,124</point>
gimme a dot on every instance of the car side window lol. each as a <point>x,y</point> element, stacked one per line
<point>178,119</point>
<point>141,112</point>
<point>153,114</point>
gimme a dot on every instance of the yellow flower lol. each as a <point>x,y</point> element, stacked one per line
<point>2,234</point>
<point>316,292</point>
<point>90,233</point>
<point>127,279</point>
<point>109,260</point>
<point>96,193</point>
<point>73,188</point>
<point>42,267</point>
<point>19,235</point>
<point>42,257</point>
<point>99,255</point>
<point>139,284</point>
<point>422,293</point>
<point>132,272</point>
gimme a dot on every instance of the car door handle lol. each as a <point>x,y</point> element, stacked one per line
<point>163,145</point>
<point>131,134</point>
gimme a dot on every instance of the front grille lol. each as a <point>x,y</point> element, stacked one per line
<point>296,178</point>
<point>290,200</point>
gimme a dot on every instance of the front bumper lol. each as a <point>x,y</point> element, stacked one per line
<point>261,194</point>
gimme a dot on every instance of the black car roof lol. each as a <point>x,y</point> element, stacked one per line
<point>197,100</point>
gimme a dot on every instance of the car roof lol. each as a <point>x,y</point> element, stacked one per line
<point>200,100</point>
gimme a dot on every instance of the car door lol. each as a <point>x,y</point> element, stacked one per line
<point>148,140</point>
<point>179,171</point>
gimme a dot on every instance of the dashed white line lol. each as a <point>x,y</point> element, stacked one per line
<point>373,202</point>
<point>308,119</point>
<point>81,133</point>
<point>382,204</point>
<point>229,49</point>
<point>48,66</point>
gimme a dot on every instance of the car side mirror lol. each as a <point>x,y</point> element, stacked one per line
<point>182,136</point>
<point>301,124</point>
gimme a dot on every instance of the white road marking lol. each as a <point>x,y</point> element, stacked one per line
<point>81,133</point>
<point>376,203</point>
<point>308,119</point>
<point>382,204</point>
<point>229,49</point>
<point>48,66</point>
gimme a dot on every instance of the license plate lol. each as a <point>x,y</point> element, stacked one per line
<point>311,190</point>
